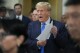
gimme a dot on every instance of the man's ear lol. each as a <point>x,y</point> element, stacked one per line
<point>49,13</point>
<point>20,40</point>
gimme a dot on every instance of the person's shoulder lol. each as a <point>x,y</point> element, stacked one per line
<point>55,22</point>
<point>26,18</point>
<point>34,22</point>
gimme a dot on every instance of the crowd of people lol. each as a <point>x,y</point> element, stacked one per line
<point>19,35</point>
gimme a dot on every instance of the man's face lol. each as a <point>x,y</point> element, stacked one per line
<point>73,21</point>
<point>9,42</point>
<point>18,10</point>
<point>34,15</point>
<point>43,13</point>
<point>3,14</point>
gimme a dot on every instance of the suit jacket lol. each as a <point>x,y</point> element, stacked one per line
<point>26,20</point>
<point>22,49</point>
<point>72,47</point>
<point>34,29</point>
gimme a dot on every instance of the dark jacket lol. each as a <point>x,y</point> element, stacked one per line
<point>35,29</point>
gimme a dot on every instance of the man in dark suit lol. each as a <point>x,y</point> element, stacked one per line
<point>73,24</point>
<point>18,14</point>
<point>35,29</point>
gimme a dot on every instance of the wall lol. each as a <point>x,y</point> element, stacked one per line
<point>10,3</point>
<point>56,9</point>
<point>63,6</point>
<point>26,7</point>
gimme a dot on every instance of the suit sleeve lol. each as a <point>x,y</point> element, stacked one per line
<point>31,42</point>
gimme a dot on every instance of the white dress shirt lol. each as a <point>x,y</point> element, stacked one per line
<point>47,22</point>
<point>19,17</point>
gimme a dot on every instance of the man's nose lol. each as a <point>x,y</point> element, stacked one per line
<point>39,13</point>
<point>70,21</point>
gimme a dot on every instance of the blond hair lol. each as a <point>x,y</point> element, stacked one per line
<point>44,4</point>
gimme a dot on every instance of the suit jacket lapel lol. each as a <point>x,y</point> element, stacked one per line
<point>38,28</point>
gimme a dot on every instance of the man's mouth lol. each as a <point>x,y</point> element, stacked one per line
<point>40,17</point>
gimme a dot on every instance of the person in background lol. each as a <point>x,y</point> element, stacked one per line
<point>3,12</point>
<point>19,15</point>
<point>34,16</point>
<point>30,13</point>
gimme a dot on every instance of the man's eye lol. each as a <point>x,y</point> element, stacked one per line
<point>76,16</point>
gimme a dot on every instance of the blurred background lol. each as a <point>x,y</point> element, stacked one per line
<point>58,7</point>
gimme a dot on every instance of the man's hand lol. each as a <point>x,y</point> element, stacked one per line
<point>54,31</point>
<point>41,43</point>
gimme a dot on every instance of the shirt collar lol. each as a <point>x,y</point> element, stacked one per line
<point>20,16</point>
<point>48,21</point>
